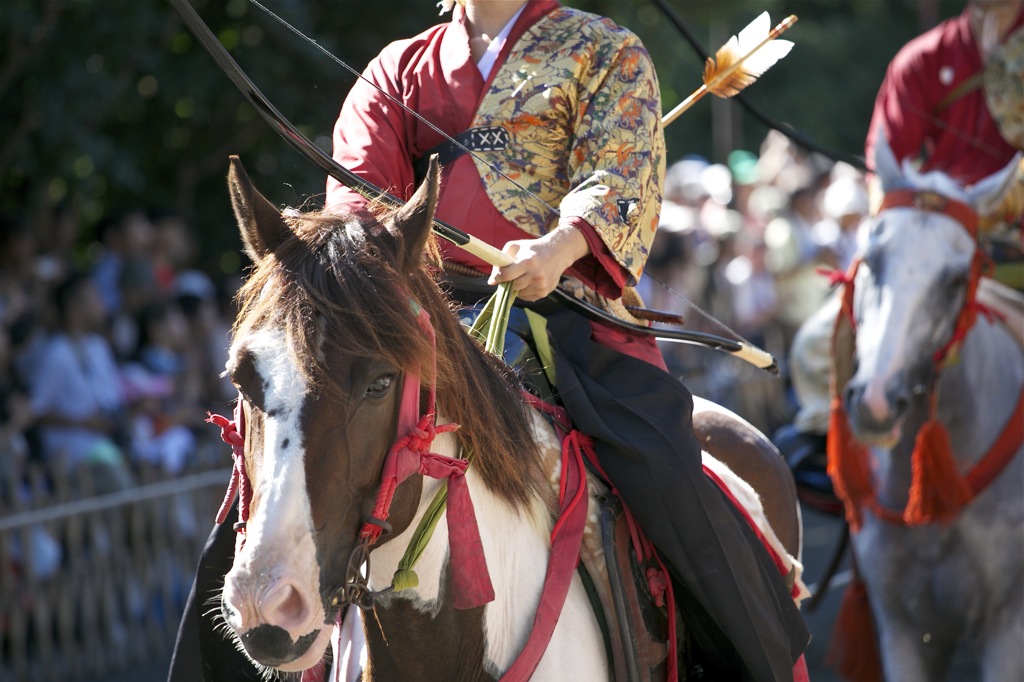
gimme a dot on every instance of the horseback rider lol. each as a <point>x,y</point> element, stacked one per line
<point>561,110</point>
<point>943,94</point>
<point>951,98</point>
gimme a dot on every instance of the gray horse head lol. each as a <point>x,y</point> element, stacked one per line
<point>909,291</point>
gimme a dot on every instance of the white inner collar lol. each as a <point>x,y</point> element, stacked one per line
<point>486,62</point>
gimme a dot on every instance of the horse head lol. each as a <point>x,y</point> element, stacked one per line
<point>330,325</point>
<point>319,351</point>
<point>910,287</point>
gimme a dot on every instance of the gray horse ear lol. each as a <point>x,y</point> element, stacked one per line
<point>887,168</point>
<point>260,223</point>
<point>987,194</point>
<point>411,224</point>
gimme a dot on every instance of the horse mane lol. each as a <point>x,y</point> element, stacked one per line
<point>333,285</point>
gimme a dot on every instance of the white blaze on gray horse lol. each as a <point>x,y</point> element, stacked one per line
<point>340,328</point>
<point>935,388</point>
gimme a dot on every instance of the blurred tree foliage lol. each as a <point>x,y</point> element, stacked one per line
<point>107,105</point>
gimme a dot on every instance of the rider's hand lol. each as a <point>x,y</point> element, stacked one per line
<point>539,263</point>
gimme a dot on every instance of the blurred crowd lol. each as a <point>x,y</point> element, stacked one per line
<point>747,241</point>
<point>111,353</point>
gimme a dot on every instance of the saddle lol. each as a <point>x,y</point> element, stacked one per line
<point>630,592</point>
<point>634,621</point>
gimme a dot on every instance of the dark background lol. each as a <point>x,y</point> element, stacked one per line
<point>109,105</point>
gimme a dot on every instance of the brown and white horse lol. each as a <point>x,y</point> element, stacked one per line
<point>328,333</point>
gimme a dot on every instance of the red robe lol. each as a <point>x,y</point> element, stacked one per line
<point>434,75</point>
<point>962,140</point>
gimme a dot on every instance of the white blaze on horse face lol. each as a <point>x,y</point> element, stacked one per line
<point>892,305</point>
<point>275,578</point>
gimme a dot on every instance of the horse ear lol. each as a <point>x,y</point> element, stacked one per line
<point>411,224</point>
<point>887,168</point>
<point>260,223</point>
<point>986,195</point>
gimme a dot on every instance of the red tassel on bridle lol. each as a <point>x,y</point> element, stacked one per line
<point>848,460</point>
<point>938,491</point>
<point>853,650</point>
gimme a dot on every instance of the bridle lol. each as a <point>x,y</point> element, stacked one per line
<point>409,454</point>
<point>938,491</point>
<point>967,217</point>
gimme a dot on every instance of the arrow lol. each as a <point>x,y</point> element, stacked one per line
<point>489,254</point>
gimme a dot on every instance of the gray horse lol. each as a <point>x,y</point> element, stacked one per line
<point>936,585</point>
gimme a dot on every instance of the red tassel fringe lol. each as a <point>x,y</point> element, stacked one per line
<point>853,650</point>
<point>848,465</point>
<point>937,491</point>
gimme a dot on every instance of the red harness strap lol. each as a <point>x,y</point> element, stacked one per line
<point>409,455</point>
<point>232,432</point>
<point>566,539</point>
<point>1001,452</point>
<point>934,203</point>
<point>657,578</point>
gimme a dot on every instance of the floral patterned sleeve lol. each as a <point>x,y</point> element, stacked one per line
<point>617,156</point>
<point>579,99</point>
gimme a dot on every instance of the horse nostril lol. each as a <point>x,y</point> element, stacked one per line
<point>284,606</point>
<point>850,396</point>
<point>900,402</point>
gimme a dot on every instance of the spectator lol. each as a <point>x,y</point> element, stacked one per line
<point>210,333</point>
<point>76,390</point>
<point>15,418</point>
<point>174,249</point>
<point>755,302</point>
<point>839,233</point>
<point>58,232</point>
<point>126,239</point>
<point>163,390</point>
<point>35,551</point>
<point>794,257</point>
<point>19,285</point>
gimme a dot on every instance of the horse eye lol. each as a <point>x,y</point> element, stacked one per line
<point>380,386</point>
<point>959,280</point>
<point>873,261</point>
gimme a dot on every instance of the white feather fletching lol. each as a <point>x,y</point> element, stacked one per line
<point>744,58</point>
<point>740,62</point>
<point>750,37</point>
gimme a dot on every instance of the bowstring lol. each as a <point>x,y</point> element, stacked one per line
<point>493,167</point>
<point>412,112</point>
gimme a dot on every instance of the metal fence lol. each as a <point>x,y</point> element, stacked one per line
<point>92,585</point>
